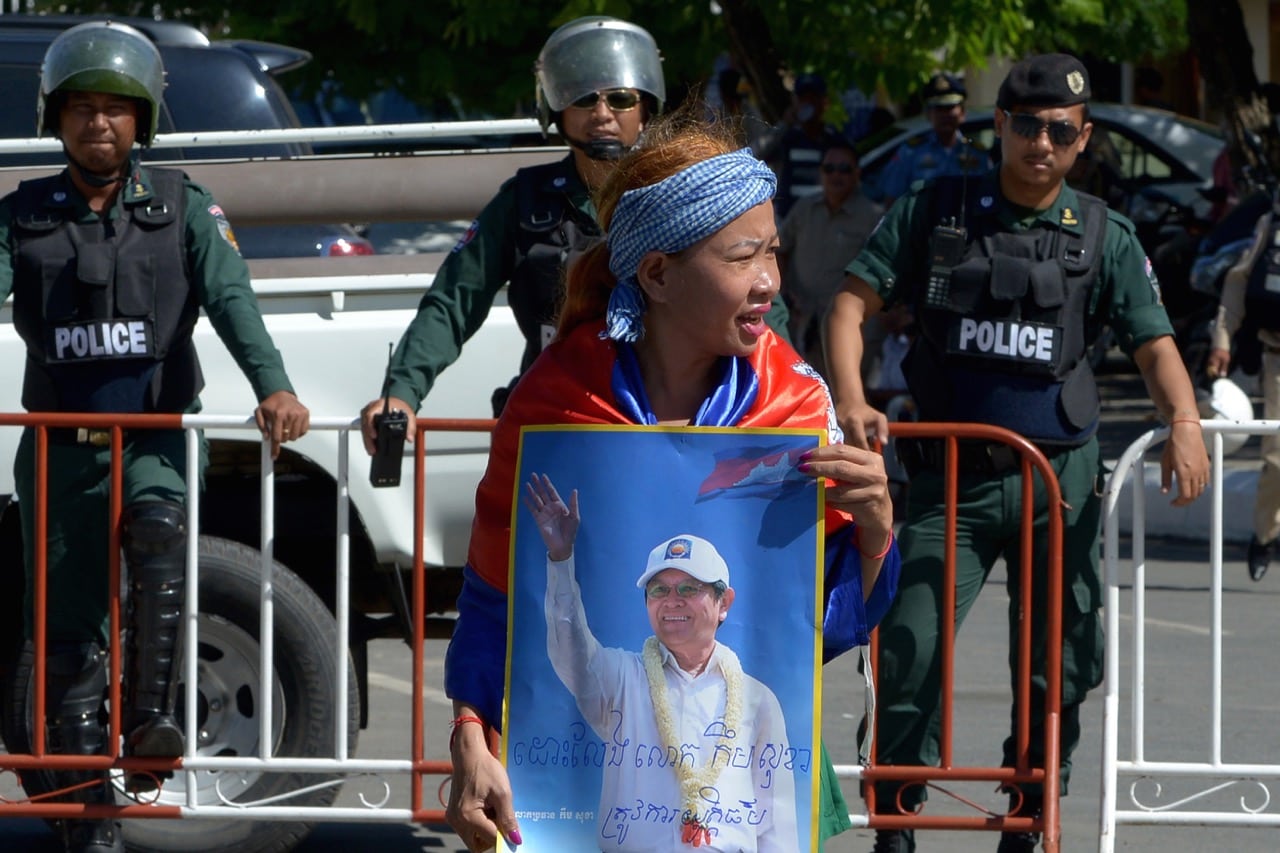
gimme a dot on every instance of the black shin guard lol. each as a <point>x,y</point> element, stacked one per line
<point>154,538</point>
<point>77,678</point>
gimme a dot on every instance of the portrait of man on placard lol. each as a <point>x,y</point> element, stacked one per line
<point>665,643</point>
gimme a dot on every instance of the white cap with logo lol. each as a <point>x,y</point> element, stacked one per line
<point>690,554</point>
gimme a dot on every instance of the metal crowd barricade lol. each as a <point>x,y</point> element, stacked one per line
<point>1217,773</point>
<point>376,809</point>
<point>1048,776</point>
<point>416,766</point>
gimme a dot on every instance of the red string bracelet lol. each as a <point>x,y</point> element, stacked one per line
<point>457,722</point>
<point>857,543</point>
<point>1195,421</point>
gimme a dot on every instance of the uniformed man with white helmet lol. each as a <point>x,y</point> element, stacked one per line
<point>599,81</point>
<point>1010,275</point>
<point>110,263</point>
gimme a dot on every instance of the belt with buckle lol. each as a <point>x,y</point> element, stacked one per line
<point>81,435</point>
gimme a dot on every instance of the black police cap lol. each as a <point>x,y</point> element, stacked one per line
<point>1046,80</point>
<point>943,90</point>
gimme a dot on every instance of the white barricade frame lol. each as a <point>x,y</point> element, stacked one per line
<point>376,807</point>
<point>1138,767</point>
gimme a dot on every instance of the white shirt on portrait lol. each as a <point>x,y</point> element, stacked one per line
<point>750,807</point>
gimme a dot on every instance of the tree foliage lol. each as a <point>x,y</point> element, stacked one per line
<point>481,51</point>
<point>1231,85</point>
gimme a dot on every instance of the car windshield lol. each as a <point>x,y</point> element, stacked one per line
<point>1186,141</point>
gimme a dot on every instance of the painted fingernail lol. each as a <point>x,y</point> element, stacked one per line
<point>804,457</point>
<point>804,466</point>
<point>515,838</point>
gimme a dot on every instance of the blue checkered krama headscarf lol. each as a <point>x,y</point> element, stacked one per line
<point>671,216</point>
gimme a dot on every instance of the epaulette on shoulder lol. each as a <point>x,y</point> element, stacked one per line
<point>1124,222</point>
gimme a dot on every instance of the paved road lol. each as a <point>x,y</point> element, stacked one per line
<point>1178,649</point>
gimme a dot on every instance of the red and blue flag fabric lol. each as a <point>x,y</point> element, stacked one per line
<point>759,472</point>
<point>572,382</point>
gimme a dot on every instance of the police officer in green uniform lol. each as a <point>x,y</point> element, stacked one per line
<point>109,264</point>
<point>1010,274</point>
<point>944,150</point>
<point>599,80</point>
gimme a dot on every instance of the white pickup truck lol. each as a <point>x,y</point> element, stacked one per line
<point>332,318</point>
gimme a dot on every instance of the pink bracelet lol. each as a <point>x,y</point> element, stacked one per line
<point>857,543</point>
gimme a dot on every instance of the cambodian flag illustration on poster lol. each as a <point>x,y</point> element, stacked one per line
<point>754,472</point>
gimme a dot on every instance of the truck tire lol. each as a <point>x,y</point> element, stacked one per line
<point>304,707</point>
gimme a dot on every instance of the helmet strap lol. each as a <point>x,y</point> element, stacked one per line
<point>100,181</point>
<point>600,149</point>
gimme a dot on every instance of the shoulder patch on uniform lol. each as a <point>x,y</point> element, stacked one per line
<point>224,226</point>
<point>1152,279</point>
<point>468,236</point>
<point>916,140</point>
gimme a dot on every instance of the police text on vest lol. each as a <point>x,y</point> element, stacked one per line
<point>1010,339</point>
<point>108,339</point>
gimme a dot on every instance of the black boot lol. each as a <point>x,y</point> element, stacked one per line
<point>77,677</point>
<point>895,841</point>
<point>1027,805</point>
<point>154,537</point>
<point>1259,557</point>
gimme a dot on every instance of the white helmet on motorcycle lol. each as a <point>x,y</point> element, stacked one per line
<point>1224,400</point>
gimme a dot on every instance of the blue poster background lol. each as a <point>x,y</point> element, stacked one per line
<point>636,488</point>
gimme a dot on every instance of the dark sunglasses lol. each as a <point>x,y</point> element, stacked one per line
<point>1061,133</point>
<point>618,100</point>
<point>842,168</point>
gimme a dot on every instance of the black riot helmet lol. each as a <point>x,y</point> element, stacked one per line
<point>593,54</point>
<point>102,56</point>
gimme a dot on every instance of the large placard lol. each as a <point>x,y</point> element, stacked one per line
<point>611,744</point>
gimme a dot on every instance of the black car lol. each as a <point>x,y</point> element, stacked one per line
<point>210,86</point>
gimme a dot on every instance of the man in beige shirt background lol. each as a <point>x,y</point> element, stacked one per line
<point>1253,286</point>
<point>819,237</point>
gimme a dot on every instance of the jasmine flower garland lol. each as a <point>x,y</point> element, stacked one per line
<point>692,782</point>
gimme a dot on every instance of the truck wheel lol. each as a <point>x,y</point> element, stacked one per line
<point>303,708</point>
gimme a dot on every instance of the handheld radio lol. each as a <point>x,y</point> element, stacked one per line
<point>391,426</point>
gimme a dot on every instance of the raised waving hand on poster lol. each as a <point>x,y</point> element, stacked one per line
<point>557,521</point>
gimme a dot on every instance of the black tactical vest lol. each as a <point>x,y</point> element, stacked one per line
<point>1002,327</point>
<point>1262,292</point>
<point>552,232</point>
<point>105,308</point>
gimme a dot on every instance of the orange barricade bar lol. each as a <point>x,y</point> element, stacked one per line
<point>1048,823</point>
<point>415,765</point>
